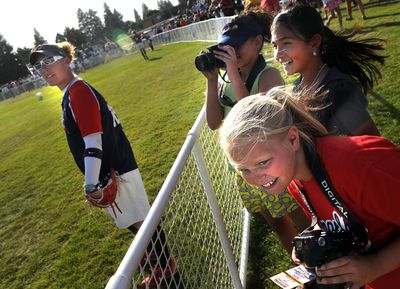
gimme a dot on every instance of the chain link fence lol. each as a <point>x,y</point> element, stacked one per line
<point>202,216</point>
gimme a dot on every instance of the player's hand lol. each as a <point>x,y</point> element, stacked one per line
<point>96,195</point>
<point>103,195</point>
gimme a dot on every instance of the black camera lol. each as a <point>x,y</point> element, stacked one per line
<point>317,247</point>
<point>206,60</point>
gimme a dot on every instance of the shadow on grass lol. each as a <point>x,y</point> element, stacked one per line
<point>258,231</point>
<point>154,58</point>
<point>394,112</point>
<point>382,15</point>
<point>372,4</point>
<point>267,257</point>
<point>367,29</point>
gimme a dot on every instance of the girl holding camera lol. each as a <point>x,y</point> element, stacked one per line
<point>273,143</point>
<point>342,66</point>
<point>240,48</point>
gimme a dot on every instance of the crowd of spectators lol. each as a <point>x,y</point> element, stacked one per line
<point>15,87</point>
<point>199,12</point>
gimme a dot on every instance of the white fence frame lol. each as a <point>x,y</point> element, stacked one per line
<point>122,279</point>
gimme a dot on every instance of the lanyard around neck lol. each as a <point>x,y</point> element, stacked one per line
<point>326,187</point>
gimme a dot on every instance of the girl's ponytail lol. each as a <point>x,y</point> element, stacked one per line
<point>356,57</point>
<point>69,48</point>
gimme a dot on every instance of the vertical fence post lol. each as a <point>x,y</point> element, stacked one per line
<point>245,247</point>
<point>212,201</point>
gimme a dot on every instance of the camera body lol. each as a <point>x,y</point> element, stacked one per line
<point>206,60</point>
<point>317,247</point>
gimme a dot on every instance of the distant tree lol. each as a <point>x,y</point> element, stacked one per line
<point>182,3</point>
<point>165,8</point>
<point>107,14</point>
<point>152,12</point>
<point>112,21</point>
<point>164,4</point>
<point>23,54</point>
<point>130,25</point>
<point>145,11</point>
<point>91,26</point>
<point>11,68</point>
<point>38,39</point>
<point>118,21</point>
<point>137,17</point>
<point>76,37</point>
<point>60,38</point>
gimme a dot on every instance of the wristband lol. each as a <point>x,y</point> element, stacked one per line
<point>93,152</point>
<point>90,188</point>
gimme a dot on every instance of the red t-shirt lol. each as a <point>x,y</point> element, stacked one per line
<point>365,172</point>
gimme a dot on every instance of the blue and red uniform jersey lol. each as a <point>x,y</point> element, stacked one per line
<point>85,112</point>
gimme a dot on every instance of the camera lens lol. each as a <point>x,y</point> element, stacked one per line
<point>321,241</point>
<point>204,62</point>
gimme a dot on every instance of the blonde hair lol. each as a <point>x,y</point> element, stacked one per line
<point>259,117</point>
<point>69,48</point>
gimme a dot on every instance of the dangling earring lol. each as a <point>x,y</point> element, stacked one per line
<point>314,53</point>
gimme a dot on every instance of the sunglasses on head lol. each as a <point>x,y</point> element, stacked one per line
<point>47,61</point>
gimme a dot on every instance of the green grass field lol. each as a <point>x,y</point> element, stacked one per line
<point>50,240</point>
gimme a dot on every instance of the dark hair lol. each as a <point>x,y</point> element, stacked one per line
<point>257,17</point>
<point>351,55</point>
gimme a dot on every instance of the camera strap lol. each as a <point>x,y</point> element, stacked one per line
<point>327,188</point>
<point>257,68</point>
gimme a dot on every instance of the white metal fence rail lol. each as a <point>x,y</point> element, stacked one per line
<point>207,30</point>
<point>201,213</point>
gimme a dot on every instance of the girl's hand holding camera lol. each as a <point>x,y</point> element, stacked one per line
<point>211,75</point>
<point>356,271</point>
<point>227,54</point>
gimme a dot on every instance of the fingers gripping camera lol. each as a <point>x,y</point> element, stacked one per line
<point>206,60</point>
<point>317,247</point>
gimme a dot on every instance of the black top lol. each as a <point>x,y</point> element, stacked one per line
<point>344,107</point>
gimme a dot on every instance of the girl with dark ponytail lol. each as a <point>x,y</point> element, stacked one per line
<point>342,66</point>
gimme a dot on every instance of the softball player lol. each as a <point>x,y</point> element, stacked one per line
<point>101,151</point>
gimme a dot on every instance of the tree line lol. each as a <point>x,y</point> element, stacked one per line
<point>91,31</point>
